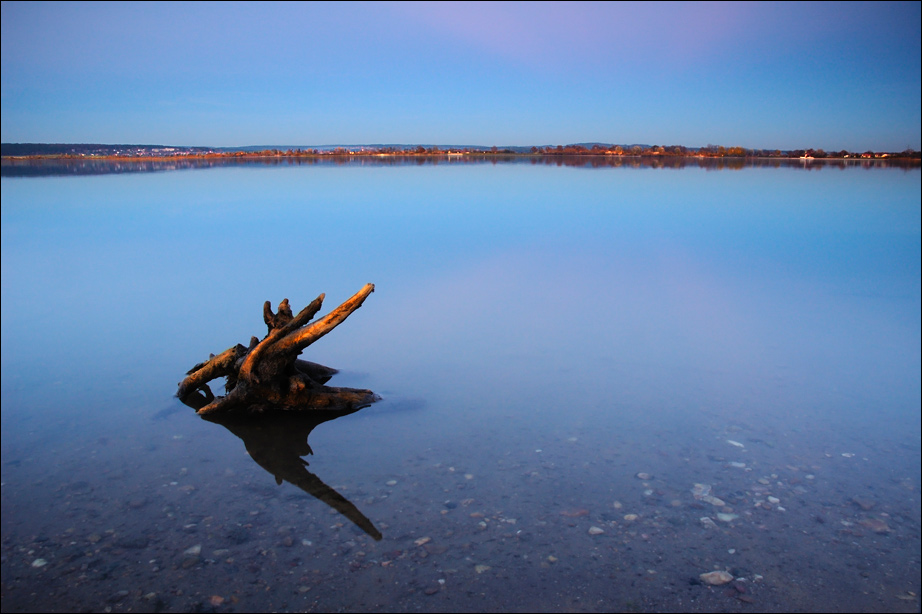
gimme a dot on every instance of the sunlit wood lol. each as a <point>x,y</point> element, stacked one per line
<point>268,374</point>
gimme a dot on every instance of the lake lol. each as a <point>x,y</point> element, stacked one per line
<point>599,381</point>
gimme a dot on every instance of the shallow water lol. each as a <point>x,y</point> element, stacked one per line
<point>541,334</point>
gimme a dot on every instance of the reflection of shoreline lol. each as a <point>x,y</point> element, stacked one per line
<point>59,166</point>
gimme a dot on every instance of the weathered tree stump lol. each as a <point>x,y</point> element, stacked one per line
<point>268,375</point>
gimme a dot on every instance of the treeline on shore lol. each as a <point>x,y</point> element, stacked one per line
<point>60,150</point>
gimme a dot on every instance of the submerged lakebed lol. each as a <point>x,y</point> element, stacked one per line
<point>599,383</point>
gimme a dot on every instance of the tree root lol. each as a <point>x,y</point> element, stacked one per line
<point>268,375</point>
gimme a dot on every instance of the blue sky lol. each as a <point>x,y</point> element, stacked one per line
<point>775,75</point>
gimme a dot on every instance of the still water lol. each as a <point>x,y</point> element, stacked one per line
<point>599,382</point>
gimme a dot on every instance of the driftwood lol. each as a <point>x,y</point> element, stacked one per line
<point>268,373</point>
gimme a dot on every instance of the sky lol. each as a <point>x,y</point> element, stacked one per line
<point>784,75</point>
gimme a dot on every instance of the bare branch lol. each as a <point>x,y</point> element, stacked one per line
<point>327,323</point>
<point>221,365</point>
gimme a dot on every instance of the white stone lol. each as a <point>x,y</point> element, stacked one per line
<point>707,523</point>
<point>716,578</point>
<point>713,500</point>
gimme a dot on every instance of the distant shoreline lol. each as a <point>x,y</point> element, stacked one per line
<point>473,154</point>
<point>63,151</point>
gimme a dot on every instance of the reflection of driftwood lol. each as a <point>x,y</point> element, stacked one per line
<point>268,373</point>
<point>278,441</point>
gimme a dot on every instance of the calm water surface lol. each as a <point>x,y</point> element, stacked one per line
<point>598,383</point>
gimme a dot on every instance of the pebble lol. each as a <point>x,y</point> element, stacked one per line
<point>482,568</point>
<point>39,563</point>
<point>391,482</point>
<point>716,578</point>
<point>194,550</point>
<point>735,443</point>
<point>630,517</point>
<point>874,524</point>
<point>422,541</point>
<point>644,476</point>
<point>595,531</point>
<point>699,490</point>
<point>727,517</point>
<point>707,523</point>
<point>190,561</point>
